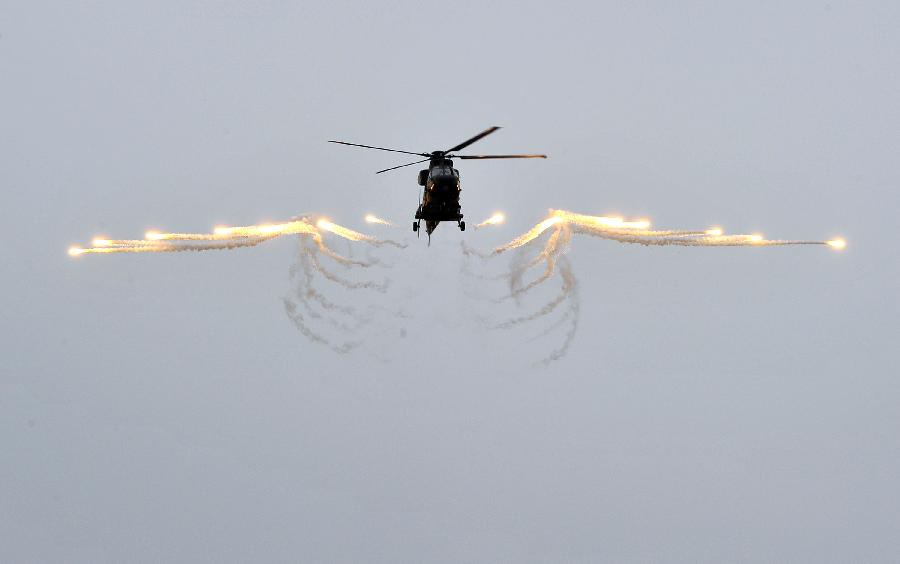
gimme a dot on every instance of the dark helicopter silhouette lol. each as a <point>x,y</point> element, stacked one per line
<point>440,181</point>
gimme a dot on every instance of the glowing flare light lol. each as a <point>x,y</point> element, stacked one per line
<point>341,231</point>
<point>377,220</point>
<point>638,231</point>
<point>221,238</point>
<point>530,235</point>
<point>495,219</point>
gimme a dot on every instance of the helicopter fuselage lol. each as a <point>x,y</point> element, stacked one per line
<point>440,195</point>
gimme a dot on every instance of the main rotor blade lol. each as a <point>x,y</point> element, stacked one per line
<point>403,165</point>
<point>468,142</point>
<point>496,156</point>
<point>380,148</point>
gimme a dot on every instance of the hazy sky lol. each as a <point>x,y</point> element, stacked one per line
<point>717,405</point>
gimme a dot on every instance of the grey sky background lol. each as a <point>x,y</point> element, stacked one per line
<point>734,405</point>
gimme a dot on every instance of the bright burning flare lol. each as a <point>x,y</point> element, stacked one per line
<point>637,224</point>
<point>377,220</point>
<point>530,235</point>
<point>637,231</point>
<point>495,219</point>
<point>265,230</point>
<point>599,221</point>
<point>838,244</point>
<point>222,237</point>
<point>341,231</point>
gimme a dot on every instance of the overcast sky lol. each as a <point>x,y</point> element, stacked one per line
<point>716,405</point>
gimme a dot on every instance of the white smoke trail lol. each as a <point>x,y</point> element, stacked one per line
<point>568,286</point>
<point>517,288</point>
<point>340,259</point>
<point>308,297</point>
<point>351,235</point>
<point>692,241</point>
<point>472,252</point>
<point>550,255</point>
<point>573,313</point>
<point>223,238</point>
<point>565,224</point>
<point>308,308</point>
<point>302,274</point>
<point>639,232</point>
<point>556,244</point>
<point>301,292</point>
<point>307,259</point>
<point>529,235</point>
<point>156,247</point>
<point>306,294</point>
<point>297,318</point>
<point>560,321</point>
<point>315,312</point>
<point>349,284</point>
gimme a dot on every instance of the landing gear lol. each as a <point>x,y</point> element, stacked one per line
<point>416,226</point>
<point>462,225</point>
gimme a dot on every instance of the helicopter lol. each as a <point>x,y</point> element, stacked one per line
<point>439,200</point>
